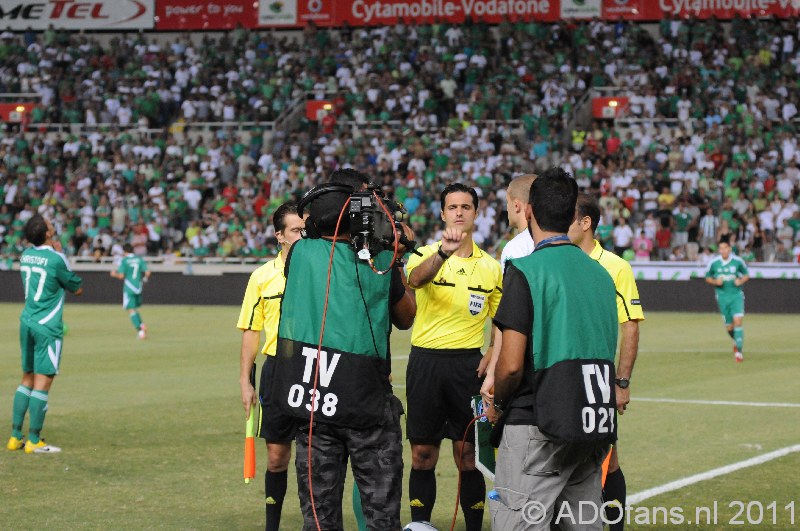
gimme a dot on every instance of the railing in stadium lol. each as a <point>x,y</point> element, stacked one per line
<point>214,265</point>
<point>81,128</point>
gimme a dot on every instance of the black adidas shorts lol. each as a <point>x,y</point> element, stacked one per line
<point>274,426</point>
<point>439,387</point>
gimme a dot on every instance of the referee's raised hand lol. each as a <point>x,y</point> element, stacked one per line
<point>451,239</point>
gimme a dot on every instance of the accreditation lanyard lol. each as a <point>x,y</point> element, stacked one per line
<point>551,240</point>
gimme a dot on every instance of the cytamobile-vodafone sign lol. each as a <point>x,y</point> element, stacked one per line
<point>722,9</point>
<point>389,12</point>
<point>75,14</point>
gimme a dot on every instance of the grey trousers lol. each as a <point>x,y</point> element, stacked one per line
<point>376,457</point>
<point>539,482</point>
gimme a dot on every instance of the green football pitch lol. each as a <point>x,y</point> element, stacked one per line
<point>152,431</point>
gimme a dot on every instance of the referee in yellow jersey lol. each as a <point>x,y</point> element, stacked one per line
<point>629,312</point>
<point>458,287</point>
<point>261,311</point>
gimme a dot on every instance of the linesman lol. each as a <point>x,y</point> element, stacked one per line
<point>261,311</point>
<point>629,314</point>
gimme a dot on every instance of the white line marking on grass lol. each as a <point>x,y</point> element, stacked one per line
<point>714,402</point>
<point>711,474</point>
<point>678,351</point>
<point>711,351</point>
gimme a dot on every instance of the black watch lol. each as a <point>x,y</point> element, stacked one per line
<point>442,254</point>
<point>623,383</point>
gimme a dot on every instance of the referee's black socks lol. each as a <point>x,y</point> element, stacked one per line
<point>615,490</point>
<point>473,494</point>
<point>274,493</point>
<point>422,494</point>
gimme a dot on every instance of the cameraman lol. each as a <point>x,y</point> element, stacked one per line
<point>356,415</point>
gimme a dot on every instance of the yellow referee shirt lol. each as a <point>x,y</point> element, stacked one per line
<point>452,309</point>
<point>261,307</point>
<point>629,307</point>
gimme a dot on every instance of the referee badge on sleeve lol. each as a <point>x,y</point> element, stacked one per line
<point>476,302</point>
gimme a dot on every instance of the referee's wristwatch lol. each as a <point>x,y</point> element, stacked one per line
<point>442,254</point>
<point>623,383</point>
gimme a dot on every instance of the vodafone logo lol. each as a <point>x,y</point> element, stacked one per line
<point>75,14</point>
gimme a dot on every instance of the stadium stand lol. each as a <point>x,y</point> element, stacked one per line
<point>186,146</point>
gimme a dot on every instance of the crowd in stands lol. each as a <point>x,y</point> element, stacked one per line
<point>416,107</point>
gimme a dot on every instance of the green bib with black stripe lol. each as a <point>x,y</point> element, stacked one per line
<point>574,339</point>
<point>351,367</point>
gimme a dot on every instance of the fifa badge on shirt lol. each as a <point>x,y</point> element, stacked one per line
<point>476,303</point>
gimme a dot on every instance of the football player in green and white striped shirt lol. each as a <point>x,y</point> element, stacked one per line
<point>134,273</point>
<point>45,276</point>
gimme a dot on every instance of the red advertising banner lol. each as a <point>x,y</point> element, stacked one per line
<point>721,9</point>
<point>609,107</point>
<point>15,112</point>
<point>627,9</point>
<point>389,12</point>
<point>365,12</point>
<point>89,15</point>
<point>317,109</point>
<point>320,12</point>
<point>171,15</point>
<point>176,15</point>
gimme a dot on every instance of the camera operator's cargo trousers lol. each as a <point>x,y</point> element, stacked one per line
<point>377,461</point>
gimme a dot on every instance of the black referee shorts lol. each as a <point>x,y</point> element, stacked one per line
<point>439,387</point>
<point>273,426</point>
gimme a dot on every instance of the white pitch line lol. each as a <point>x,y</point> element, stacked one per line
<point>710,351</point>
<point>714,402</point>
<point>662,351</point>
<point>711,474</point>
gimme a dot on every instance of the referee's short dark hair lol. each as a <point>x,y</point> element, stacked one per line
<point>553,196</point>
<point>279,217</point>
<point>588,207</point>
<point>459,187</point>
<point>36,230</point>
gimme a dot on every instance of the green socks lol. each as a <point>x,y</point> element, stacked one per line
<point>38,408</point>
<point>738,337</point>
<point>21,399</point>
<point>136,320</point>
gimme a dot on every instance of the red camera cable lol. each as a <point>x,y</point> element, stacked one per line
<point>316,370</point>
<point>460,466</point>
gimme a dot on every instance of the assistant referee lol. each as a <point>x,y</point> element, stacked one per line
<point>629,313</point>
<point>261,311</point>
<point>458,287</point>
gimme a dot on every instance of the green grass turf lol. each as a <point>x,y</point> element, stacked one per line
<point>152,431</point>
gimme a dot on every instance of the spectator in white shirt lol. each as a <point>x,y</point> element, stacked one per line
<point>622,236</point>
